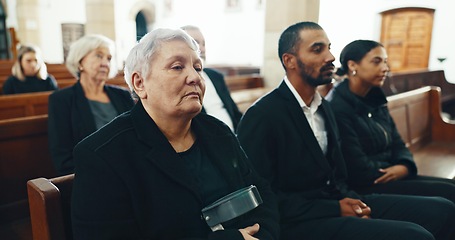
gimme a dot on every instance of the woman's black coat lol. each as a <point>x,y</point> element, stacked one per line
<point>71,120</point>
<point>369,137</point>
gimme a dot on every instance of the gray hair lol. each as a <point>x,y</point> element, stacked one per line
<point>190,27</point>
<point>83,46</point>
<point>140,57</point>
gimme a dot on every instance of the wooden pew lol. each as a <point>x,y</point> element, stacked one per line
<point>5,69</point>
<point>59,71</point>
<point>246,97</point>
<point>429,136</point>
<point>61,74</point>
<point>406,81</point>
<point>24,104</point>
<point>235,70</point>
<point>50,207</point>
<point>24,155</point>
<point>244,81</point>
<point>63,83</point>
<point>118,80</point>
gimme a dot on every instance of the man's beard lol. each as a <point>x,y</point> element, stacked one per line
<point>320,80</point>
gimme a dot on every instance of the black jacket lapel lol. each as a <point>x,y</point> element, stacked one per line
<point>302,125</point>
<point>161,154</point>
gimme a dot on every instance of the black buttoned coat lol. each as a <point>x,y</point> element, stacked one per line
<point>280,143</point>
<point>131,184</point>
<point>370,139</point>
<point>71,120</point>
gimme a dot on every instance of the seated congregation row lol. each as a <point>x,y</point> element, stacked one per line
<point>315,162</point>
<point>79,110</point>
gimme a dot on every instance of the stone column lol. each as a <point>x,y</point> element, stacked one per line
<point>279,15</point>
<point>100,18</point>
<point>28,21</point>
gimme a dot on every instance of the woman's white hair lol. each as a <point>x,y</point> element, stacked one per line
<point>83,46</point>
<point>140,57</point>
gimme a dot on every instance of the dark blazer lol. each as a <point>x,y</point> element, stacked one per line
<point>223,92</point>
<point>13,85</point>
<point>279,141</point>
<point>71,120</point>
<point>131,184</point>
<point>370,139</point>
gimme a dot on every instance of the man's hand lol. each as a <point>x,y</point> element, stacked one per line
<point>248,232</point>
<point>392,173</point>
<point>354,208</point>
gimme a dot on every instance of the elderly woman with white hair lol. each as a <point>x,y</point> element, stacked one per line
<point>79,110</point>
<point>150,173</point>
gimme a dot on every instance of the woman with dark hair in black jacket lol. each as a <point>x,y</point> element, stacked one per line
<point>377,159</point>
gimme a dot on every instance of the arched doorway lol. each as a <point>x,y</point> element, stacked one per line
<point>143,15</point>
<point>141,25</point>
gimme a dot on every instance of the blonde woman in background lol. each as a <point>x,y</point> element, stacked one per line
<point>29,73</point>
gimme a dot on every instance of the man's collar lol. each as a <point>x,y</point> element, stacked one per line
<point>317,99</point>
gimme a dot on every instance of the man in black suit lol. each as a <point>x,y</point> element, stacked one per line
<point>217,101</point>
<point>292,138</point>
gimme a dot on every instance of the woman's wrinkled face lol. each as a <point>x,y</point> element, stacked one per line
<point>373,68</point>
<point>174,86</point>
<point>29,63</point>
<point>95,66</point>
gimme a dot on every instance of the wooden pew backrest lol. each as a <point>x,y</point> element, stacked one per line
<point>24,155</point>
<point>5,69</point>
<point>246,97</point>
<point>50,202</point>
<point>428,134</point>
<point>406,81</point>
<point>234,70</point>
<point>410,111</point>
<point>419,118</point>
<point>24,104</point>
<point>244,81</point>
<point>59,71</point>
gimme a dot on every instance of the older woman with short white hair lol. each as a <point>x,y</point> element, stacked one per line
<point>79,110</point>
<point>149,173</point>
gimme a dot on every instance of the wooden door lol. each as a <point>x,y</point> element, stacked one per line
<point>406,35</point>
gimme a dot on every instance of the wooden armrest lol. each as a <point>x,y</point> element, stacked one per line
<point>47,200</point>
